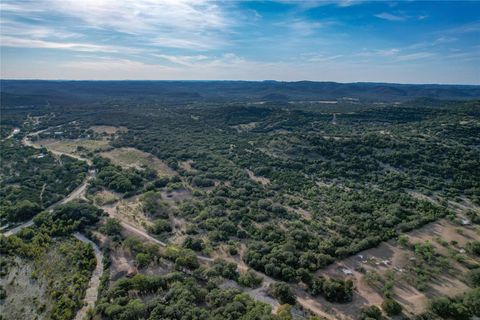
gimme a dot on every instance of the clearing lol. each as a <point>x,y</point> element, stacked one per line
<point>389,256</point>
<point>134,158</point>
<point>258,179</point>
<point>245,127</point>
<point>108,129</point>
<point>70,146</point>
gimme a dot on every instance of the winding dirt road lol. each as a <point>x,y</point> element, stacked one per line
<point>77,193</point>
<point>91,294</point>
<point>111,211</point>
<point>14,132</point>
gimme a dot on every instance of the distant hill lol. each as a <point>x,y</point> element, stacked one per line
<point>38,92</point>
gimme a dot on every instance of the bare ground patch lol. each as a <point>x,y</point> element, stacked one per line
<point>389,256</point>
<point>258,179</point>
<point>70,146</point>
<point>176,196</point>
<point>108,129</point>
<point>104,197</point>
<point>131,211</point>
<point>186,165</point>
<point>134,158</point>
<point>245,127</point>
<point>26,296</point>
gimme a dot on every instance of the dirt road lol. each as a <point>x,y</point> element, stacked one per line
<point>78,193</point>
<point>29,143</point>
<point>91,294</point>
<point>14,132</point>
<point>111,211</point>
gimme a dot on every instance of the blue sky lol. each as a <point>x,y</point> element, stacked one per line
<point>345,41</point>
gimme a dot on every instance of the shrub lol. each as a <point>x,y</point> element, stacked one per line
<point>283,293</point>
<point>391,307</point>
<point>370,312</point>
<point>249,279</point>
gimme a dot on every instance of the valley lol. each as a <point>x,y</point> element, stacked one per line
<point>278,209</point>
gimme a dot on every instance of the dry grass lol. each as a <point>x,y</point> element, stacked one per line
<point>245,127</point>
<point>134,158</point>
<point>108,129</point>
<point>412,300</point>
<point>104,197</point>
<point>186,165</point>
<point>25,295</point>
<point>131,211</point>
<point>69,146</point>
<point>258,179</point>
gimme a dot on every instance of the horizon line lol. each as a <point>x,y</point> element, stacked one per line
<point>227,80</point>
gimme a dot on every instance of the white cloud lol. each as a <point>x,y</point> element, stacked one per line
<point>182,60</point>
<point>349,3</point>
<point>24,30</point>
<point>415,56</point>
<point>321,58</point>
<point>7,41</point>
<point>388,52</point>
<point>190,24</point>
<point>390,17</point>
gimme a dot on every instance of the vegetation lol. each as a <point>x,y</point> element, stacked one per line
<point>391,307</point>
<point>462,307</point>
<point>283,292</point>
<point>65,265</point>
<point>371,312</point>
<point>32,180</point>
<point>177,296</point>
<point>287,186</point>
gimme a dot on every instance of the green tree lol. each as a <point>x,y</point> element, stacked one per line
<point>143,259</point>
<point>283,293</point>
<point>371,312</point>
<point>391,307</point>
<point>112,227</point>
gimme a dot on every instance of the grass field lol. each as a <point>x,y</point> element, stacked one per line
<point>108,129</point>
<point>70,146</point>
<point>134,158</point>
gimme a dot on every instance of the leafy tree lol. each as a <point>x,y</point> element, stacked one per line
<point>371,312</point>
<point>283,292</point>
<point>474,247</point>
<point>143,259</point>
<point>160,226</point>
<point>249,279</point>
<point>474,277</point>
<point>193,243</point>
<point>284,312</point>
<point>391,307</point>
<point>112,227</point>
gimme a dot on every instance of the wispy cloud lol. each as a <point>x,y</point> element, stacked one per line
<point>322,58</point>
<point>349,3</point>
<point>465,28</point>
<point>415,56</point>
<point>390,16</point>
<point>182,60</point>
<point>172,23</point>
<point>73,46</point>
